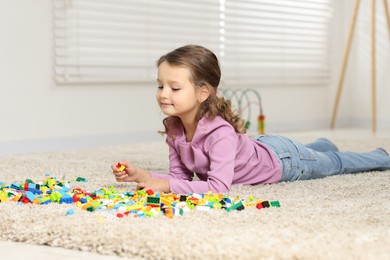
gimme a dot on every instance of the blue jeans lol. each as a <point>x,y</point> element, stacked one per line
<point>321,158</point>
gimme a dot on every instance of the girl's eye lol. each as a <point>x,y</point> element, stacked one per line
<point>160,87</point>
<point>175,89</point>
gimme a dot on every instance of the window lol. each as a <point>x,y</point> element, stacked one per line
<point>276,42</point>
<point>259,43</point>
<point>120,40</point>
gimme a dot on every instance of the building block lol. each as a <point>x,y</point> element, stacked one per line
<point>81,179</point>
<point>266,204</point>
<point>153,201</point>
<point>150,192</point>
<point>259,205</point>
<point>70,212</point>
<point>66,199</point>
<point>31,196</point>
<point>237,206</point>
<point>139,203</point>
<point>120,167</point>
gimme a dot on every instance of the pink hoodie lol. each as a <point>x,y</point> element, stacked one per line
<point>219,157</point>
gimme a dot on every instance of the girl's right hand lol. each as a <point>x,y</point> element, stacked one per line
<point>127,175</point>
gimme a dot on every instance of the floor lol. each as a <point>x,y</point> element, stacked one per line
<point>16,251</point>
<point>22,251</point>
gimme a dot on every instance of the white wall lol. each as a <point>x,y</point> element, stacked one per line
<point>37,115</point>
<point>355,108</point>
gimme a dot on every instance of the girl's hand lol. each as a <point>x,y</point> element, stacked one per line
<point>155,184</point>
<point>130,173</point>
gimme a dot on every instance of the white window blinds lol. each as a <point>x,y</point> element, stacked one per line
<point>276,42</point>
<point>259,43</point>
<point>120,40</point>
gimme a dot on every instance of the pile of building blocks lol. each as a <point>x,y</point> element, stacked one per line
<point>119,204</point>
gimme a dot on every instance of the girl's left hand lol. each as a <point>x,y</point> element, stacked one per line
<point>155,184</point>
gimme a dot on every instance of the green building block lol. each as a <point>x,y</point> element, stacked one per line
<point>153,201</point>
<point>237,206</point>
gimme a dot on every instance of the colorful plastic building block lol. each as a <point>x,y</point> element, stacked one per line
<point>81,179</point>
<point>120,167</point>
<point>267,204</point>
<point>31,196</point>
<point>150,192</point>
<point>70,212</point>
<point>66,198</point>
<point>237,206</point>
<point>153,201</point>
<point>123,203</point>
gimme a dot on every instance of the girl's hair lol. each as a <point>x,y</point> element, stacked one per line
<point>205,70</point>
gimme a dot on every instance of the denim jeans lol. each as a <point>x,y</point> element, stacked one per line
<point>321,158</point>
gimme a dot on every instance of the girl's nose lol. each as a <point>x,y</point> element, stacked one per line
<point>164,92</point>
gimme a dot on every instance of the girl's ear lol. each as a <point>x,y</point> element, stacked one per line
<point>204,93</point>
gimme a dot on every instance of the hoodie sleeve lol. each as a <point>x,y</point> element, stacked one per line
<point>177,169</point>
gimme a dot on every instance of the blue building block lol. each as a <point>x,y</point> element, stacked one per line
<point>83,200</point>
<point>66,199</point>
<point>31,196</point>
<point>15,186</point>
<point>70,212</point>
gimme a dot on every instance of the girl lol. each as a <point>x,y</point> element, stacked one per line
<point>207,137</point>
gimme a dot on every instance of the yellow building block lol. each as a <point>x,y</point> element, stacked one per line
<point>3,197</point>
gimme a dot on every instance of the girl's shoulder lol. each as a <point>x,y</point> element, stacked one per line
<point>207,129</point>
<point>209,124</point>
<point>214,128</point>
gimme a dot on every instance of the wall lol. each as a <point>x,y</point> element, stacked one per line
<point>37,115</point>
<point>355,109</point>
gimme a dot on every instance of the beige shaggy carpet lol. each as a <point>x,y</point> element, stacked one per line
<point>340,217</point>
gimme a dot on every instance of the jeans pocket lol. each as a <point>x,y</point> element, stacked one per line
<point>305,153</point>
<point>283,155</point>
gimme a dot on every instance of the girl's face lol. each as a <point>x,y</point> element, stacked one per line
<point>176,94</point>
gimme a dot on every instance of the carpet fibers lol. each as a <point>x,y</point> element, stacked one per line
<point>339,217</point>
